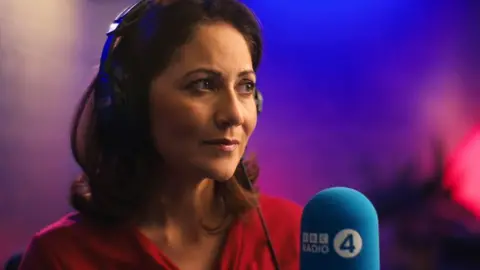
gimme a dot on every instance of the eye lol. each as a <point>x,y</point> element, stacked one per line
<point>202,85</point>
<point>246,87</point>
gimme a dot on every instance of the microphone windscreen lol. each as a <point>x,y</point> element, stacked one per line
<point>339,231</point>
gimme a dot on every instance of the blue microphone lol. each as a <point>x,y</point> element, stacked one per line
<point>339,231</point>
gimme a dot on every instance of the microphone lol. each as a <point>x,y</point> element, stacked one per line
<point>339,231</point>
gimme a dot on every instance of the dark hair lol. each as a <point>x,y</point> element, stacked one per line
<point>114,187</point>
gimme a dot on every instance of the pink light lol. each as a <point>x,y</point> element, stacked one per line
<point>463,174</point>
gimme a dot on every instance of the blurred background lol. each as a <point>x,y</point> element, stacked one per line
<point>380,96</point>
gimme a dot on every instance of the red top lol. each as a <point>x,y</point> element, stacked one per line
<point>71,243</point>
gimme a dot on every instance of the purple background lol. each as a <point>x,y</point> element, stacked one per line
<point>347,84</point>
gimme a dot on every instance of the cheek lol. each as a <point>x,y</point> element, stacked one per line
<point>250,124</point>
<point>174,128</point>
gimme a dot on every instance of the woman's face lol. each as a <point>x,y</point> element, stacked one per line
<point>202,106</point>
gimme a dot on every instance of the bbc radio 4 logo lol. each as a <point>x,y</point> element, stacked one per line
<point>347,243</point>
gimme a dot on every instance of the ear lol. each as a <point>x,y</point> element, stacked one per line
<point>258,100</point>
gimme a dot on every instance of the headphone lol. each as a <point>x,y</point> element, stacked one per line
<point>108,92</point>
<point>111,75</point>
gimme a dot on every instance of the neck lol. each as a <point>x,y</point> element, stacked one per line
<point>180,209</point>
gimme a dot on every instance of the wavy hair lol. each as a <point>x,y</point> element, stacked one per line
<point>114,187</point>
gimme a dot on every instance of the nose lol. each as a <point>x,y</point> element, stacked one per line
<point>229,110</point>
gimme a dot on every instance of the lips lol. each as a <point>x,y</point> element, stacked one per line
<point>224,145</point>
<point>222,141</point>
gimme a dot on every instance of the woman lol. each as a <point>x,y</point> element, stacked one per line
<point>160,135</point>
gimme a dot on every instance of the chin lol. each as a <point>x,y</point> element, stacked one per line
<point>219,171</point>
<point>221,174</point>
<point>221,177</point>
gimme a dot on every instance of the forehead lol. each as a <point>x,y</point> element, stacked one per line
<point>215,45</point>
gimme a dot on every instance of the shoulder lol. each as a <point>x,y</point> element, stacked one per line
<point>60,230</point>
<point>43,250</point>
<point>283,220</point>
<point>74,228</point>
<point>66,241</point>
<point>281,216</point>
<point>280,211</point>
<point>64,229</point>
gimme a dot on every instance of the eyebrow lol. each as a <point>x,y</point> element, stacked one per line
<point>216,73</point>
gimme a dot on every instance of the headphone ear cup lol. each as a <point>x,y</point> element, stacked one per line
<point>258,100</point>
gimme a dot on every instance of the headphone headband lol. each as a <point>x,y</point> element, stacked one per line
<point>128,16</point>
<point>108,99</point>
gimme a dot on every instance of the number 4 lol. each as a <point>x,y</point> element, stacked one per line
<point>348,244</point>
